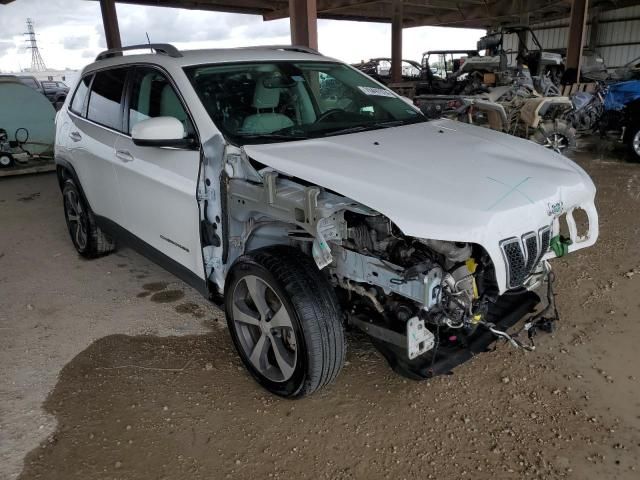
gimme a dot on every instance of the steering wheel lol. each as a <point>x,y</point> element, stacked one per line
<point>332,111</point>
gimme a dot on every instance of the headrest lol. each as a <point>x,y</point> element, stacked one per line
<point>264,97</point>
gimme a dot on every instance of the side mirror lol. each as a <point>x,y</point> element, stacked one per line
<point>160,132</point>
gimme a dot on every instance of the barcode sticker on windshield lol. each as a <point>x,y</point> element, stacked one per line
<point>378,92</point>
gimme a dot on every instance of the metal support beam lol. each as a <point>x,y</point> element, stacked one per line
<point>577,23</point>
<point>110,22</point>
<point>396,42</point>
<point>523,37</point>
<point>304,23</point>
<point>595,26</point>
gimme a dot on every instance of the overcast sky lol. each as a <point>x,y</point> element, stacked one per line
<point>70,33</point>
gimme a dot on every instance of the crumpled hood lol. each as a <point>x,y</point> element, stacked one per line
<point>442,179</point>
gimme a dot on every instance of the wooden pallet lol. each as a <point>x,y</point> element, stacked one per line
<point>568,90</point>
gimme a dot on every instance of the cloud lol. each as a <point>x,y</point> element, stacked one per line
<point>5,46</point>
<point>76,43</point>
<point>70,32</point>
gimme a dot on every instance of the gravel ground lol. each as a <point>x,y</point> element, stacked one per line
<point>114,369</point>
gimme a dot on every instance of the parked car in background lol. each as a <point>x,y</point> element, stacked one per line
<point>307,198</point>
<point>55,92</point>
<point>380,69</point>
<point>31,81</point>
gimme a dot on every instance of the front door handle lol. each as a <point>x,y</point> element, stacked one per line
<point>75,136</point>
<point>124,156</point>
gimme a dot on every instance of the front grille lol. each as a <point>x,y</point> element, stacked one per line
<point>522,255</point>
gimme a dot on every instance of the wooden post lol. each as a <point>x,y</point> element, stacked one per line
<point>577,28</point>
<point>396,42</point>
<point>303,15</point>
<point>110,22</point>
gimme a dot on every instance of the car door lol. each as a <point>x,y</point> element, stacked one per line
<point>158,185</point>
<point>95,126</point>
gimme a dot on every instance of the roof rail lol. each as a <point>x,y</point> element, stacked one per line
<point>163,48</point>
<point>289,48</point>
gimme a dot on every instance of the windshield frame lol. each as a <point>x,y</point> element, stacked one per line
<point>240,140</point>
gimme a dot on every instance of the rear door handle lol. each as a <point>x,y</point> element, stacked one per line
<point>75,136</point>
<point>124,156</point>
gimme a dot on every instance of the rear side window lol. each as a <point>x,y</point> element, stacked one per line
<point>77,104</point>
<point>105,99</point>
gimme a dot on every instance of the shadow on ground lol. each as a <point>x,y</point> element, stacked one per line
<point>165,407</point>
<point>144,407</point>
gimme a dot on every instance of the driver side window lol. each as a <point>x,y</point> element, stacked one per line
<point>153,96</point>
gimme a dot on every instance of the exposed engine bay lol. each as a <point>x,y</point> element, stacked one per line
<point>414,287</point>
<point>412,296</point>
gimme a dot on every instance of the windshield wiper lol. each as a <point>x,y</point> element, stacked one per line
<point>273,136</point>
<point>371,126</point>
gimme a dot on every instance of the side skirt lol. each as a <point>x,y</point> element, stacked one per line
<point>143,248</point>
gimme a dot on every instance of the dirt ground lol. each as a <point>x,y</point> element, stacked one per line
<point>112,369</point>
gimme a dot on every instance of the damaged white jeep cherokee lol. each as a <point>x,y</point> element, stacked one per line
<point>309,198</point>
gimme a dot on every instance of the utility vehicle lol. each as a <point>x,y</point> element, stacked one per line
<point>309,198</point>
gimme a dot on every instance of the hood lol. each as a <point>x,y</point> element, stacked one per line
<point>441,179</point>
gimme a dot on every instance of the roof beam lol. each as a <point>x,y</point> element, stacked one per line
<point>324,7</point>
<point>492,14</point>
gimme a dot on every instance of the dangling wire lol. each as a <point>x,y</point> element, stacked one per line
<point>538,321</point>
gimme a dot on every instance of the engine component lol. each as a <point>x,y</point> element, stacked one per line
<point>454,252</point>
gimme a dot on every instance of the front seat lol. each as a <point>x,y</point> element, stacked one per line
<point>266,120</point>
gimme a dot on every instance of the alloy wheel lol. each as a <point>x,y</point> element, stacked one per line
<point>265,329</point>
<point>556,142</point>
<point>76,218</point>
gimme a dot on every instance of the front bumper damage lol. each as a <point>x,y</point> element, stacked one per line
<point>442,359</point>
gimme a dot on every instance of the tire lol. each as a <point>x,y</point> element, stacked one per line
<point>306,349</point>
<point>556,135</point>
<point>90,241</point>
<point>633,142</point>
<point>6,160</point>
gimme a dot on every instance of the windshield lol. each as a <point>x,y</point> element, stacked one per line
<point>270,102</point>
<point>445,64</point>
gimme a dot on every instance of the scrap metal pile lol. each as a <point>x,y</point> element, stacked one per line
<point>522,99</point>
<point>518,91</point>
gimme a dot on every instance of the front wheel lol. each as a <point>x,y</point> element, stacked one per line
<point>285,321</point>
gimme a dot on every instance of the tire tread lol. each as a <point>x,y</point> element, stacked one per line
<point>317,307</point>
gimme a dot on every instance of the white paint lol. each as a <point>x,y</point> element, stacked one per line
<point>158,128</point>
<point>443,180</point>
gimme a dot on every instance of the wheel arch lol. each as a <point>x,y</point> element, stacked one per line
<point>64,172</point>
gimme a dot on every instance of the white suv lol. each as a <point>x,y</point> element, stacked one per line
<point>309,198</point>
